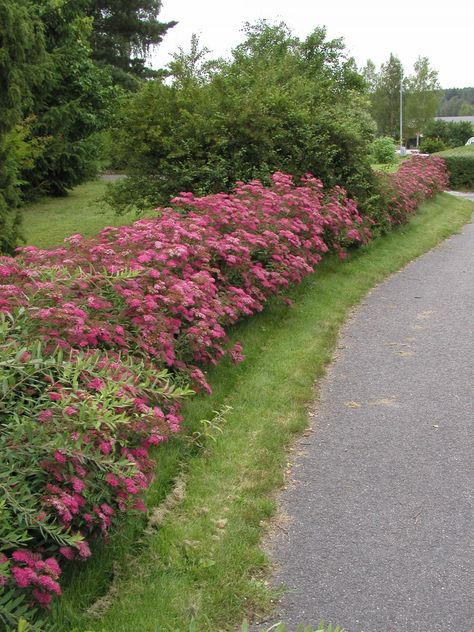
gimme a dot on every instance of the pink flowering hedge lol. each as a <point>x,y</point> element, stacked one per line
<point>97,335</point>
<point>417,179</point>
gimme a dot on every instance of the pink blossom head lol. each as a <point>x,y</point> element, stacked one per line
<point>67,552</point>
<point>111,479</point>
<point>43,598</point>
<point>105,447</point>
<point>24,577</point>
<point>59,457</point>
<point>84,550</point>
<point>45,415</point>
<point>52,566</point>
<point>77,484</point>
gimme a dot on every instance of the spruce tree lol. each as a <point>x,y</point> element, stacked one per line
<point>21,68</point>
<point>71,107</point>
<point>123,33</point>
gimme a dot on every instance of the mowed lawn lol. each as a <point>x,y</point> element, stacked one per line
<point>46,223</point>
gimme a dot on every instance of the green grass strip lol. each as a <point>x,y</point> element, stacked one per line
<point>202,561</point>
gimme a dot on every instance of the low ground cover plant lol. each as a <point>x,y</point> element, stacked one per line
<point>102,339</point>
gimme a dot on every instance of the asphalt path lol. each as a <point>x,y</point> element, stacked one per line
<point>380,530</point>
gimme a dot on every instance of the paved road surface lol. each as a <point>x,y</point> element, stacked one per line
<point>382,531</point>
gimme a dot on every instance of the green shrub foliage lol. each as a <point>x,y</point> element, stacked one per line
<point>383,150</point>
<point>460,164</point>
<point>280,103</point>
<point>452,134</point>
<point>432,145</point>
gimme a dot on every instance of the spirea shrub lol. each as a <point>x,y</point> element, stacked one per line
<point>165,288</point>
<point>76,430</point>
<point>96,336</point>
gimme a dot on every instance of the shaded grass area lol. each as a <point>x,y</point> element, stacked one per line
<point>47,222</point>
<point>392,166</point>
<point>387,168</point>
<point>202,562</point>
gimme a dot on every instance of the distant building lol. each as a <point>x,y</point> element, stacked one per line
<point>455,119</point>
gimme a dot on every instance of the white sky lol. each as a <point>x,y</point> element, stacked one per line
<point>372,29</point>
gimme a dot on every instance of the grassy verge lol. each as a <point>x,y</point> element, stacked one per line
<point>200,560</point>
<point>47,222</point>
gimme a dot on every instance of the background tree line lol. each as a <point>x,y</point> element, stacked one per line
<point>457,102</point>
<point>421,94</point>
<point>423,100</point>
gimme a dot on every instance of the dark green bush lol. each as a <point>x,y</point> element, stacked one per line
<point>280,104</point>
<point>70,110</point>
<point>21,68</point>
<point>460,164</point>
<point>432,145</point>
<point>54,101</point>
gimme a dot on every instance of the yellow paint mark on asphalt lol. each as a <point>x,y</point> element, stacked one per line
<point>425,314</point>
<point>352,404</point>
<point>388,401</point>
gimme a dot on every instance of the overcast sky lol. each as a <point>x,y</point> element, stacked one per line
<point>371,29</point>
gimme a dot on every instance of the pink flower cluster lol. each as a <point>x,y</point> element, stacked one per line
<point>88,424</point>
<point>33,573</point>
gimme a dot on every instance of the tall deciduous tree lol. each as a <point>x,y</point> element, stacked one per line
<point>423,92</point>
<point>123,33</point>
<point>421,95</point>
<point>385,97</point>
<point>369,72</point>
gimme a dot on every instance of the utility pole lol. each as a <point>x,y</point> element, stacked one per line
<point>401,113</point>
